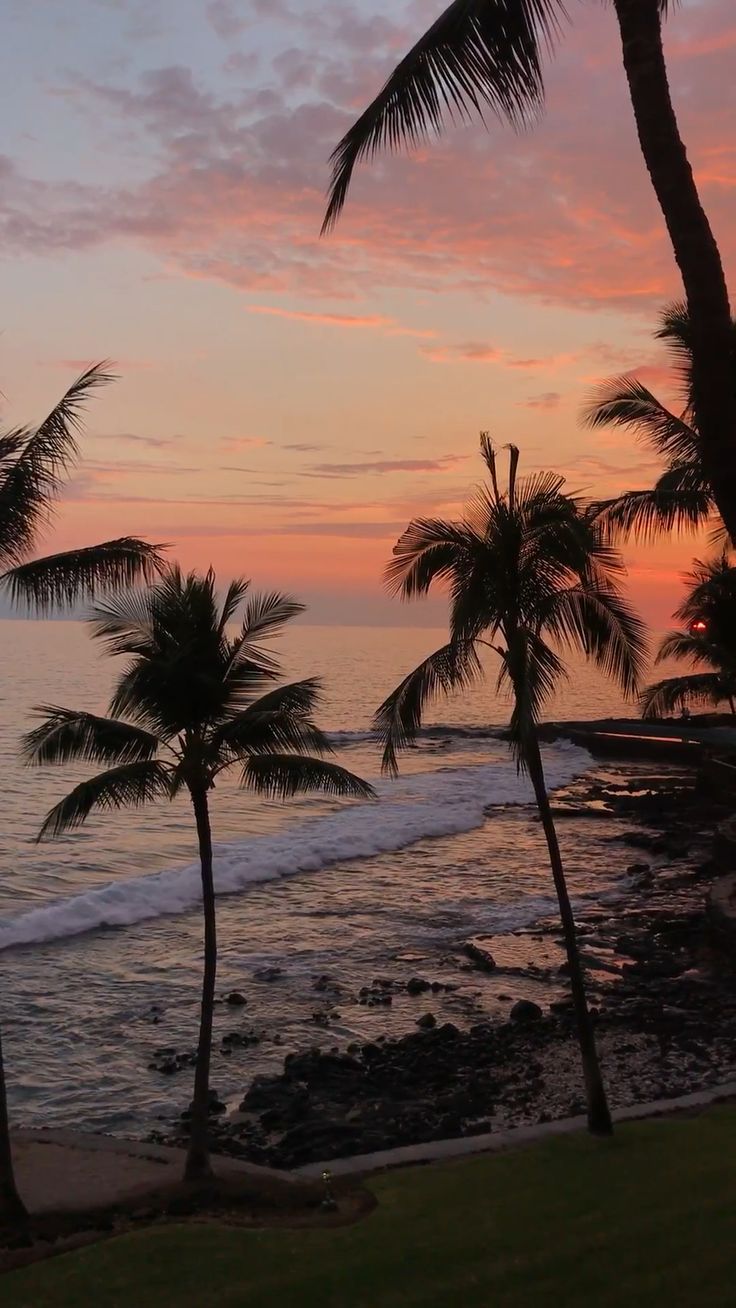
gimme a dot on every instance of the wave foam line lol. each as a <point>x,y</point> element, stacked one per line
<point>439,803</point>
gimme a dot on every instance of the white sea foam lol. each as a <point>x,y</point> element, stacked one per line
<point>429,804</point>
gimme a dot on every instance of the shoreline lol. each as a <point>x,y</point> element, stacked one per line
<point>664,1001</point>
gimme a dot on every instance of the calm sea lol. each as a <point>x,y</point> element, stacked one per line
<point>100,933</point>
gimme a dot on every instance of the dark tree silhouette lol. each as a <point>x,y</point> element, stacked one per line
<point>34,465</point>
<point>528,569</point>
<point>192,702</point>
<point>708,640</point>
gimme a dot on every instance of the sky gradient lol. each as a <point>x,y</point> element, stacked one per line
<point>286,403</point>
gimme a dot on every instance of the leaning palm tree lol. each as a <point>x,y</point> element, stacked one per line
<point>192,702</point>
<point>707,640</point>
<point>488,54</point>
<point>681,498</point>
<point>527,569</point>
<point>34,465</point>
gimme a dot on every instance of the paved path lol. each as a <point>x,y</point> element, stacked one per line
<point>68,1170</point>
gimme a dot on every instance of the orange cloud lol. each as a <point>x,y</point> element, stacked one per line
<point>476,352</point>
<point>371,321</point>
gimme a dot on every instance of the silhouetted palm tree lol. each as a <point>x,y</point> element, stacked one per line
<point>527,569</point>
<point>192,702</point>
<point>681,498</point>
<point>34,465</point>
<point>708,640</point>
<point>488,54</point>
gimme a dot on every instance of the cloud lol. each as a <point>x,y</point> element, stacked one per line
<point>444,464</point>
<point>304,447</point>
<point>547,400</point>
<point>224,18</point>
<point>371,321</point>
<point>235,187</point>
<point>134,438</point>
<point>244,443</point>
<point>477,352</point>
<point>387,531</point>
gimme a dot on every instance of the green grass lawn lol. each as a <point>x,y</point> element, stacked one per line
<point>648,1218</point>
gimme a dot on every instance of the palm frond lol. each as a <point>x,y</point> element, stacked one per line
<point>693,648</point>
<point>626,403</point>
<point>124,622</point>
<point>70,736</point>
<point>598,621</point>
<point>431,549</point>
<point>278,721</point>
<point>455,666</point>
<point>266,614</point>
<point>648,514</point>
<point>675,693</point>
<point>61,580</point>
<point>285,775</point>
<point>478,53</point>
<point>234,597</point>
<point>129,786</point>
<point>32,481</point>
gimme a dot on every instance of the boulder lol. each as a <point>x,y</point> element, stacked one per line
<point>525,1010</point>
<point>427,1022</point>
<point>236,998</point>
<point>480,958</point>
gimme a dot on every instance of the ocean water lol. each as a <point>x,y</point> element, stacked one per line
<point>100,932</point>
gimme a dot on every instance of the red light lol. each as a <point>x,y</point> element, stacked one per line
<point>698,626</point>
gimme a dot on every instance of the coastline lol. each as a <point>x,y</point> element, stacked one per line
<point>663,994</point>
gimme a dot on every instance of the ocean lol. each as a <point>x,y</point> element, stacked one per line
<point>100,932</point>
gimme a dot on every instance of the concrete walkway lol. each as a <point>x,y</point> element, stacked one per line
<point>66,1170</point>
<point>436,1151</point>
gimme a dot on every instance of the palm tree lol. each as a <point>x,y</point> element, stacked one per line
<point>708,640</point>
<point>681,498</point>
<point>192,702</point>
<point>527,568</point>
<point>34,464</point>
<point>488,54</point>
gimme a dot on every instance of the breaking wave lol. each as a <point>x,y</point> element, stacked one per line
<point>444,802</point>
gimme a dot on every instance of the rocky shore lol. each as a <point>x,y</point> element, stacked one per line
<point>663,996</point>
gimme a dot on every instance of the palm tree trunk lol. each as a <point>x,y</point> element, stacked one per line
<point>198,1165</point>
<point>693,243</point>
<point>599,1116</point>
<point>12,1208</point>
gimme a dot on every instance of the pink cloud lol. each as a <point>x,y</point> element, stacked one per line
<point>237,190</point>
<point>547,400</point>
<point>371,321</point>
<point>476,352</point>
<point>243,443</point>
<point>444,464</point>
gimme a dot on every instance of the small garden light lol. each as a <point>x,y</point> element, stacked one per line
<point>329,1202</point>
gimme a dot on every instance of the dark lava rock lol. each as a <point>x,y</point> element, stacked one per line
<point>240,1040</point>
<point>268,974</point>
<point>525,1010</point>
<point>480,958</point>
<point>273,1093</point>
<point>428,1022</point>
<point>416,985</point>
<point>236,998</point>
<point>322,1139</point>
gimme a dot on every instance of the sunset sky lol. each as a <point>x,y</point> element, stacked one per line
<point>286,403</point>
